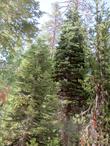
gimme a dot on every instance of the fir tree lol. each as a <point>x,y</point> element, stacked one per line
<point>69,68</point>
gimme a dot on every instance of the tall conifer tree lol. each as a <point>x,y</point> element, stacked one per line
<point>97,132</point>
<point>69,70</point>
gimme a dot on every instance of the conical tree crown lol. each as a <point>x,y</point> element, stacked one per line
<point>69,58</point>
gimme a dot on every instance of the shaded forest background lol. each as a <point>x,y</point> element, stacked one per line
<point>55,78</point>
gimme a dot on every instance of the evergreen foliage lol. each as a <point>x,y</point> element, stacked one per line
<point>55,94</point>
<point>33,97</point>
<point>69,66</point>
<point>18,22</point>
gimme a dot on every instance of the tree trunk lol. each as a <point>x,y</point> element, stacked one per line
<point>68,130</point>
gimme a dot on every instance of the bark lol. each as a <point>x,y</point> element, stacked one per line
<point>68,130</point>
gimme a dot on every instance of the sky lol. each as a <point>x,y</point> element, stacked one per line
<point>45,5</point>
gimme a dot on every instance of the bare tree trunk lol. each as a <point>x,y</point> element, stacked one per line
<point>64,120</point>
<point>68,130</point>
